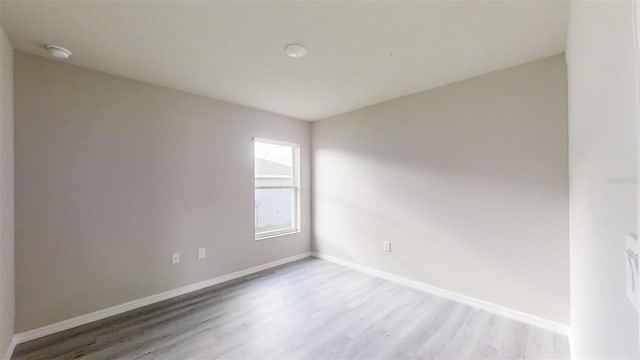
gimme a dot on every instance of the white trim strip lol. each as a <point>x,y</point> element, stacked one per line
<point>10,348</point>
<point>132,305</point>
<point>136,304</point>
<point>467,300</point>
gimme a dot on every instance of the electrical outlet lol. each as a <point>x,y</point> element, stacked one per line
<point>202,253</point>
<point>387,246</point>
<point>175,258</point>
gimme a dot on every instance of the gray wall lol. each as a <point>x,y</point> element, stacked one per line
<point>602,122</point>
<point>6,194</point>
<point>113,175</point>
<point>469,181</point>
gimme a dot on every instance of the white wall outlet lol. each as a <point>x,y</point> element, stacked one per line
<point>175,258</point>
<point>202,253</point>
<point>387,246</point>
<point>631,264</point>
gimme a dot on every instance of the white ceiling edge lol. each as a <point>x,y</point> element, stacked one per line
<point>434,87</point>
<point>360,54</point>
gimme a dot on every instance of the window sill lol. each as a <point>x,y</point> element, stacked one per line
<point>274,235</point>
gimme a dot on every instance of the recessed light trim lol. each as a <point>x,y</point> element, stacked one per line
<point>295,50</point>
<point>58,51</point>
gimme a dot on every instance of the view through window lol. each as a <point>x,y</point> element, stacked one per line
<point>276,188</point>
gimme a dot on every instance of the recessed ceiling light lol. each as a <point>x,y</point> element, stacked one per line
<point>295,50</point>
<point>58,51</point>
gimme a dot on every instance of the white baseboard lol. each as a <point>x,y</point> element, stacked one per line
<point>467,300</point>
<point>571,345</point>
<point>135,304</point>
<point>132,305</point>
<point>10,348</point>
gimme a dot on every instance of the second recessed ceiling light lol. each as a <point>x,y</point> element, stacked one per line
<point>295,50</point>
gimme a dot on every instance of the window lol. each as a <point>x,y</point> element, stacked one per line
<point>277,190</point>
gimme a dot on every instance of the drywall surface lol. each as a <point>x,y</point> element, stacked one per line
<point>603,183</point>
<point>114,175</point>
<point>7,294</point>
<point>468,181</point>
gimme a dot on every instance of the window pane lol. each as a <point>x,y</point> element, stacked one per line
<point>273,164</point>
<point>274,210</point>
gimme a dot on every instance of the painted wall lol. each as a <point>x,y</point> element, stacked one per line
<point>7,308</point>
<point>469,181</point>
<point>602,116</point>
<point>114,175</point>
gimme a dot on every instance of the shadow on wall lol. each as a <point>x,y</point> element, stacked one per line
<point>407,206</point>
<point>116,175</point>
<point>474,197</point>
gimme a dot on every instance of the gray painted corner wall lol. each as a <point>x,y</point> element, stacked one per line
<point>114,175</point>
<point>602,66</point>
<point>469,181</point>
<point>7,298</point>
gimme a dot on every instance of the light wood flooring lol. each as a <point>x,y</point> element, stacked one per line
<point>310,309</point>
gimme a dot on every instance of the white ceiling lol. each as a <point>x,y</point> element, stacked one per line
<point>360,53</point>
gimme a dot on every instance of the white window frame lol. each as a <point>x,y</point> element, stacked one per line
<point>295,187</point>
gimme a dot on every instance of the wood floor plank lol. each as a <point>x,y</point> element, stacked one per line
<point>310,309</point>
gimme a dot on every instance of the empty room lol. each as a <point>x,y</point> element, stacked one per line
<point>452,179</point>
